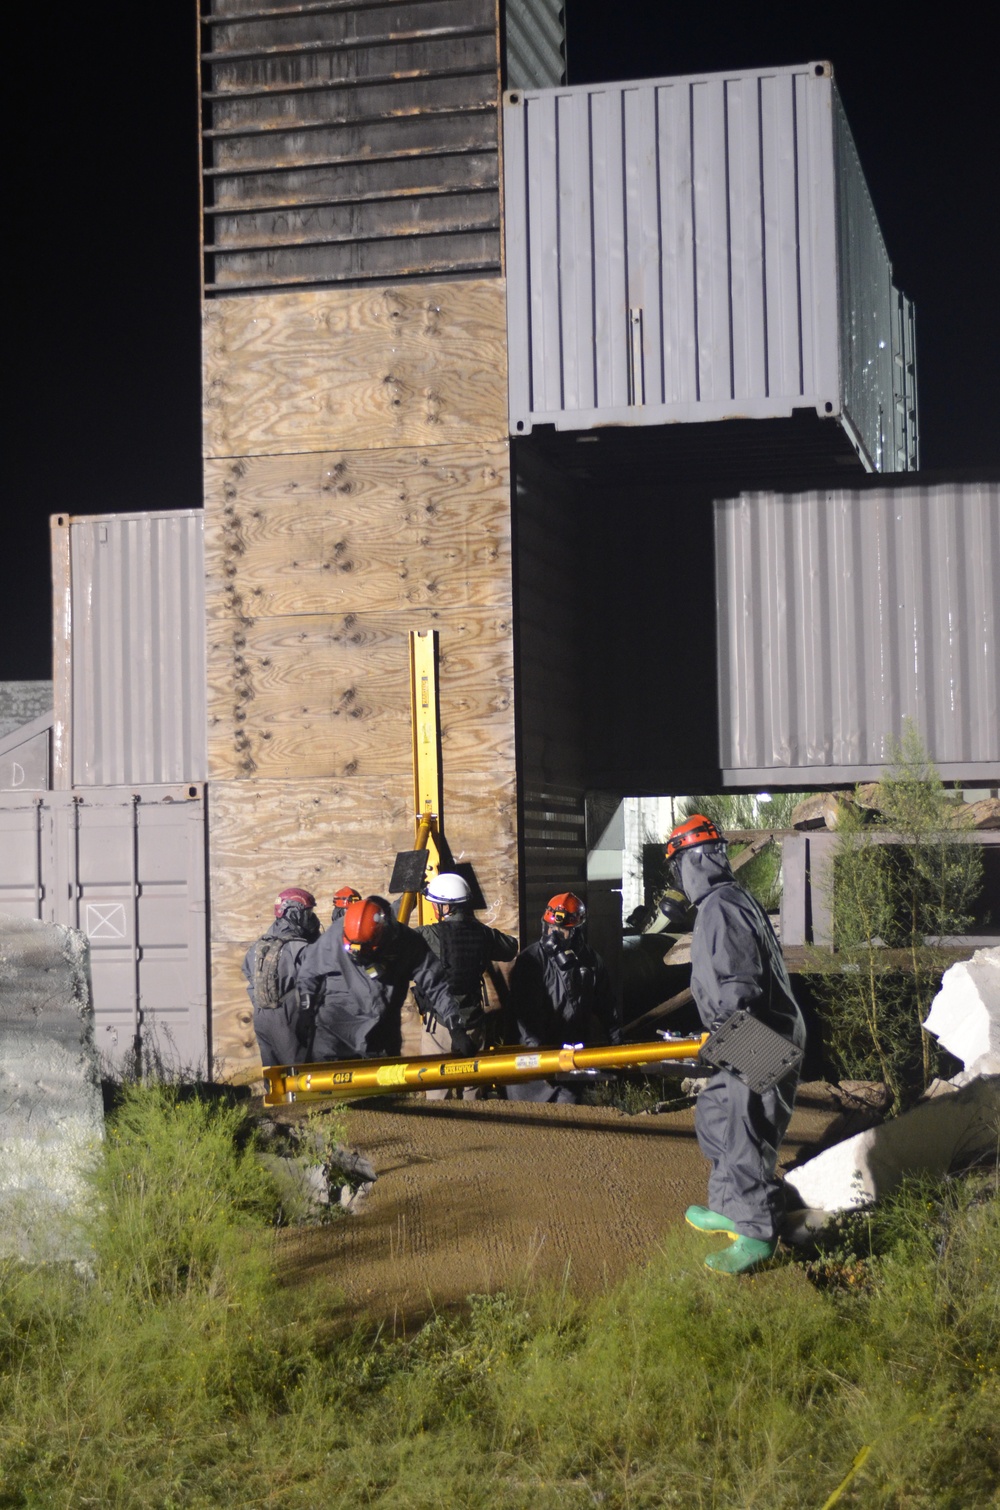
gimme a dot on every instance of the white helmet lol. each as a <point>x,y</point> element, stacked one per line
<point>448,890</point>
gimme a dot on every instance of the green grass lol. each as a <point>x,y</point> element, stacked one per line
<point>181,1374</point>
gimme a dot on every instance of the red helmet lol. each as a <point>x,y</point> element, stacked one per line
<point>345,896</point>
<point>366,923</point>
<point>293,896</point>
<point>565,911</point>
<point>694,830</point>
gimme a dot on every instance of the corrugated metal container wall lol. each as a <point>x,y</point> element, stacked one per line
<point>672,255</point>
<point>535,33</point>
<point>878,363</point>
<point>840,614</point>
<point>132,596</point>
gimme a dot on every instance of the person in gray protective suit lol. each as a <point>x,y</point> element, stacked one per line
<point>560,992</point>
<point>464,947</point>
<point>736,966</point>
<point>282,1027</point>
<point>357,976</point>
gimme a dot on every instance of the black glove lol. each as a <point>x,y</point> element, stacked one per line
<point>462,1044</point>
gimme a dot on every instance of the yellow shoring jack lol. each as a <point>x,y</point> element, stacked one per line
<point>425,728</point>
<point>346,1079</point>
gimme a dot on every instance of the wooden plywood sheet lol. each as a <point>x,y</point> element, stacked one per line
<point>417,364</point>
<point>270,834</point>
<point>349,531</point>
<point>234,1046</point>
<point>329,696</point>
<point>266,835</point>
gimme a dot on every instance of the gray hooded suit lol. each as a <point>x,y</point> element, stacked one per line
<point>737,966</point>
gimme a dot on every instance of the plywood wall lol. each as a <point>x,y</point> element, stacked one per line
<point>357,488</point>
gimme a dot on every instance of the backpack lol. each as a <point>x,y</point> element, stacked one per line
<point>267,957</point>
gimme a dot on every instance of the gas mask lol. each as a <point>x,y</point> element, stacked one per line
<point>305,920</point>
<point>560,943</point>
<point>674,905</point>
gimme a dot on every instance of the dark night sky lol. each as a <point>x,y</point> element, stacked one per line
<point>103,316</point>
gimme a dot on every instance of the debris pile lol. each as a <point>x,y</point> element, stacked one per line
<point>956,1122</point>
<point>827,810</point>
<point>51,1108</point>
<point>314,1179</point>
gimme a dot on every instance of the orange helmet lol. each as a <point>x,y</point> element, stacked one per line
<point>565,911</point>
<point>694,830</point>
<point>344,897</point>
<point>366,923</point>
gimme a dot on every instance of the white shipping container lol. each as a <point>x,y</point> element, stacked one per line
<point>701,248</point>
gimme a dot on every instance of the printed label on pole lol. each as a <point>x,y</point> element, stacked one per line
<point>464,1067</point>
<point>527,1061</point>
<point>391,1074</point>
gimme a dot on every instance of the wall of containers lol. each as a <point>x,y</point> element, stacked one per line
<point>110,836</point>
<point>701,248</point>
<point>844,612</point>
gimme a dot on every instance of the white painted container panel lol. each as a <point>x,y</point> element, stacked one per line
<point>130,647</point>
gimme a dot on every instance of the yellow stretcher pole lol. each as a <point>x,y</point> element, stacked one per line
<point>348,1078</point>
<point>426,734</point>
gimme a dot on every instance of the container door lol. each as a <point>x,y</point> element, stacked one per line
<point>23,836</point>
<point>128,869</point>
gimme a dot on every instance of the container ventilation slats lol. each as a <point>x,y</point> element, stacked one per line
<point>348,142</point>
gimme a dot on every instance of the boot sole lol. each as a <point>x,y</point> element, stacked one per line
<point>754,1268</point>
<point>713,1231</point>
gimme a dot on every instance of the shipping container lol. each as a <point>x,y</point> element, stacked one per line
<point>701,248</point>
<point>535,43</point>
<point>843,613</point>
<point>129,649</point>
<point>127,868</point>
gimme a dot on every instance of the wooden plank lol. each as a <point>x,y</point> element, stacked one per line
<point>329,696</point>
<point>793,890</point>
<point>266,835</point>
<point>354,531</point>
<point>420,364</point>
<point>472,247</point>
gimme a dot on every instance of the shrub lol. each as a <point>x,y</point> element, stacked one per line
<point>899,897</point>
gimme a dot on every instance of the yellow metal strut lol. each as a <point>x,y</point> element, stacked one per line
<point>346,1079</point>
<point>425,727</point>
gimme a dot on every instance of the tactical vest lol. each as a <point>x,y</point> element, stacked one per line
<point>461,949</point>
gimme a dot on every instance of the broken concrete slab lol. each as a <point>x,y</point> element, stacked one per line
<point>957,1121</point>
<point>965,1014</point>
<point>51,1107</point>
<point>956,1126</point>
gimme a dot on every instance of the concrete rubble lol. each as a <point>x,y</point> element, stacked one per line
<point>51,1107</point>
<point>957,1121</point>
<point>311,1177</point>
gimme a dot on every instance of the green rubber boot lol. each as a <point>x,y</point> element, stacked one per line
<point>745,1254</point>
<point>704,1220</point>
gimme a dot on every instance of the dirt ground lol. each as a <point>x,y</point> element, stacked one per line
<point>477,1196</point>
